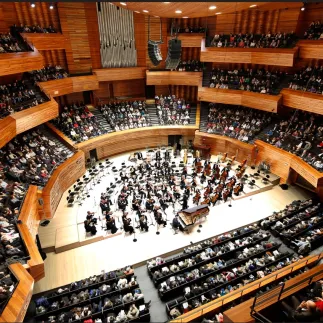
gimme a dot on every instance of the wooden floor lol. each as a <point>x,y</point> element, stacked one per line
<point>109,254</point>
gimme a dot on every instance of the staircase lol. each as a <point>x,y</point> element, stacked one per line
<point>204,117</point>
<point>206,76</point>
<point>151,109</point>
<point>101,119</point>
<point>193,114</point>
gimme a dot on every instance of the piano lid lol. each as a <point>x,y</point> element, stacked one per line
<point>195,208</point>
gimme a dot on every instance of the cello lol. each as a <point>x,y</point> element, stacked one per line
<point>238,188</point>
<point>224,175</point>
<point>231,183</point>
<point>215,198</point>
<point>216,171</point>
<point>197,197</point>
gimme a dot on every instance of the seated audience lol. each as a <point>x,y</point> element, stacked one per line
<point>172,111</point>
<point>239,123</point>
<point>125,115</point>
<point>300,134</point>
<point>190,29</point>
<point>31,157</point>
<point>48,73</point>
<point>190,66</point>
<point>249,40</point>
<point>9,44</point>
<point>314,31</point>
<point>308,79</point>
<point>34,29</point>
<point>260,80</point>
<point>78,122</point>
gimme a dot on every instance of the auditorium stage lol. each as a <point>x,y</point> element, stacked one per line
<point>120,250</point>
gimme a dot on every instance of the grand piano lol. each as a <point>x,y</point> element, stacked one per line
<point>189,217</point>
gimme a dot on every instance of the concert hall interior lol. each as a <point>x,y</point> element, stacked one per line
<point>161,162</point>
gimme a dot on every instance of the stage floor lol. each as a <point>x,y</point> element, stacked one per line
<point>120,250</point>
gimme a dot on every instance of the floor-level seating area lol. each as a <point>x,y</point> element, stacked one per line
<point>113,296</point>
<point>250,40</point>
<point>256,80</point>
<point>314,31</point>
<point>32,157</point>
<point>78,122</point>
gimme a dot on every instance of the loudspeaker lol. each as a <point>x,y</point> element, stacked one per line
<point>174,54</point>
<point>154,52</point>
<point>284,187</point>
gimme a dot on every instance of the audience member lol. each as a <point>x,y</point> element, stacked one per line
<point>172,111</point>
<point>269,40</point>
<point>34,29</point>
<point>9,44</point>
<point>308,79</point>
<point>190,66</point>
<point>126,115</point>
<point>78,122</point>
<point>260,80</point>
<point>314,31</point>
<point>240,123</point>
<point>48,73</point>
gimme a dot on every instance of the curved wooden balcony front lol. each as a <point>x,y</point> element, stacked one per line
<point>120,74</point>
<point>253,100</point>
<point>46,41</point>
<point>173,78</point>
<point>310,49</point>
<point>267,56</point>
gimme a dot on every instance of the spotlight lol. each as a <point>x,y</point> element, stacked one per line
<point>32,5</point>
<point>51,6</point>
<point>303,9</point>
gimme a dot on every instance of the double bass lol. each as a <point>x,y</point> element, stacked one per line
<point>215,197</point>
<point>224,175</point>
<point>238,188</point>
<point>206,201</point>
<point>197,197</point>
<point>231,183</point>
<point>225,195</point>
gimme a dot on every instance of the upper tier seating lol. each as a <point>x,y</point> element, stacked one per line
<point>34,29</point>
<point>314,31</point>
<point>190,66</point>
<point>172,111</point>
<point>18,96</point>
<point>78,122</point>
<point>240,123</point>
<point>190,29</point>
<point>300,134</point>
<point>9,44</point>
<point>8,283</point>
<point>32,157</point>
<point>259,80</point>
<point>268,40</point>
<point>125,115</point>
<point>308,79</point>
<point>48,73</point>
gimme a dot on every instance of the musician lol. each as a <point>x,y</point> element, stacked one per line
<point>182,184</point>
<point>196,160</point>
<point>143,222</point>
<point>185,202</point>
<point>158,156</point>
<point>203,178</point>
<point>184,172</point>
<point>176,224</point>
<point>176,194</point>
<point>159,217</point>
<point>150,204</point>
<point>194,184</point>
<point>171,182</point>
<point>163,204</point>
<point>136,204</point>
<point>111,224</point>
<point>122,202</point>
<point>167,155</point>
<point>139,155</point>
<point>126,223</point>
<point>89,226</point>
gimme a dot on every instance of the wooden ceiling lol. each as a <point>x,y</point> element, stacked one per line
<point>200,9</point>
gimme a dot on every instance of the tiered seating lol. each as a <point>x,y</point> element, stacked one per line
<point>9,44</point>
<point>191,29</point>
<point>32,157</point>
<point>78,123</point>
<point>190,66</point>
<point>48,73</point>
<point>300,134</point>
<point>109,297</point>
<point>8,283</point>
<point>34,29</point>
<point>308,79</point>
<point>239,123</point>
<point>216,267</point>
<point>269,40</point>
<point>125,115</point>
<point>19,96</point>
<point>314,31</point>
<point>172,111</point>
<point>260,80</point>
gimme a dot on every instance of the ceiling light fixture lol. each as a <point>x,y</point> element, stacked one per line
<point>137,11</point>
<point>212,7</point>
<point>303,8</point>
<point>51,7</point>
<point>145,11</point>
<point>185,17</point>
<point>178,11</point>
<point>253,5</point>
<point>122,3</point>
<point>32,5</point>
<point>218,13</point>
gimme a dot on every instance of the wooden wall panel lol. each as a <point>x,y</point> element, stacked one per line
<point>54,57</point>
<point>7,130</point>
<point>74,26</point>
<point>17,306</point>
<point>32,117</point>
<point>140,38</point>
<point>162,90</point>
<point>69,85</point>
<point>309,49</point>
<point>93,32</point>
<point>8,16</point>
<point>221,144</point>
<point>13,63</point>
<point>253,100</point>
<point>132,88</point>
<point>155,35</point>
<point>189,40</point>
<point>70,98</point>
<point>110,144</point>
<point>187,92</point>
<point>28,229</point>
<point>189,53</point>
<point>175,78</point>
<point>303,100</point>
<point>120,74</point>
<point>266,56</point>
<point>63,177</point>
<point>104,92</point>
<point>46,41</point>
